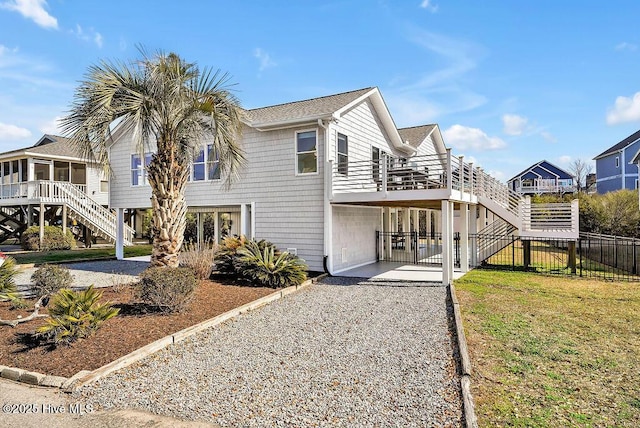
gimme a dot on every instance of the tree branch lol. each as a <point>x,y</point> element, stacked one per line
<point>35,314</point>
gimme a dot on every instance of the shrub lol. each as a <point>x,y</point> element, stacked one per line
<point>49,279</point>
<point>75,315</point>
<point>168,289</point>
<point>227,259</point>
<point>227,254</point>
<point>53,239</point>
<point>268,268</point>
<point>198,258</point>
<point>8,271</point>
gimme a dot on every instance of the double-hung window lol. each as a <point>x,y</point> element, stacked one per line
<point>206,165</point>
<point>139,170</point>
<point>306,152</point>
<point>343,154</point>
<point>213,163</point>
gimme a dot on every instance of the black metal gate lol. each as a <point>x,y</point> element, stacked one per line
<point>412,248</point>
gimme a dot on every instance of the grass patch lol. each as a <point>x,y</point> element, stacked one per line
<point>552,351</point>
<point>39,257</point>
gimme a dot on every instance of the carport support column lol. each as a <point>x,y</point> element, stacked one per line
<point>406,221</point>
<point>386,228</point>
<point>216,227</point>
<point>41,223</point>
<point>473,231</point>
<point>120,233</point>
<point>200,229</point>
<point>447,242</point>
<point>428,226</point>
<point>64,219</point>
<point>464,237</point>
<point>244,219</point>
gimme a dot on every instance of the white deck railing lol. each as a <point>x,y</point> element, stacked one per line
<point>545,188</point>
<point>94,215</point>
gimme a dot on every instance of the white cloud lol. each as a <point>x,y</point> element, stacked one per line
<point>12,132</point>
<point>264,58</point>
<point>565,159</point>
<point>88,35</point>
<point>549,137</point>
<point>52,126</point>
<point>34,10</point>
<point>496,174</point>
<point>624,46</point>
<point>625,110</point>
<point>514,124</point>
<point>466,138</point>
<point>429,5</point>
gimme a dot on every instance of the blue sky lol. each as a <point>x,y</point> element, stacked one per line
<point>509,82</point>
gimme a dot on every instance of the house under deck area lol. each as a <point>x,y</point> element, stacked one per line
<point>437,211</point>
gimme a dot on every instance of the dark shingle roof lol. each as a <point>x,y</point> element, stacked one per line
<point>415,135</point>
<point>621,145</point>
<point>304,109</point>
<point>541,168</point>
<point>49,145</point>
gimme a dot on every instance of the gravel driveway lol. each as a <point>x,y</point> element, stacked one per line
<point>345,352</point>
<point>102,273</point>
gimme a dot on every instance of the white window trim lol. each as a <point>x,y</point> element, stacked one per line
<point>338,153</point>
<point>617,161</point>
<point>295,152</point>
<point>206,167</point>
<point>145,181</point>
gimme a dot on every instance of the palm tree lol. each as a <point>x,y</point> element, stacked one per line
<point>166,103</point>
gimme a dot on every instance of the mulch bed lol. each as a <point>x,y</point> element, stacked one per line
<point>130,330</point>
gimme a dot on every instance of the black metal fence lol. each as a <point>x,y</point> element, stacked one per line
<point>591,256</point>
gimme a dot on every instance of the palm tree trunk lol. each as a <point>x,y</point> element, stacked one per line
<point>168,179</point>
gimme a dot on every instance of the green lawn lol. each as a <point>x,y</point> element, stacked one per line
<point>38,257</point>
<point>549,351</point>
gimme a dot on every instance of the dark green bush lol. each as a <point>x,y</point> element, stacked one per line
<point>266,267</point>
<point>75,315</point>
<point>227,259</point>
<point>167,289</point>
<point>53,239</point>
<point>8,271</point>
<point>49,279</point>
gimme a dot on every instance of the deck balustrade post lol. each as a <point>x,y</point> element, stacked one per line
<point>449,170</point>
<point>461,173</point>
<point>471,179</point>
<point>385,161</point>
<point>41,223</point>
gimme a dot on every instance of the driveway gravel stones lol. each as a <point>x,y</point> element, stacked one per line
<point>344,352</point>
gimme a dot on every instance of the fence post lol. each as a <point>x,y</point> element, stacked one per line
<point>513,252</point>
<point>572,256</point>
<point>580,254</point>
<point>634,270</point>
<point>415,246</point>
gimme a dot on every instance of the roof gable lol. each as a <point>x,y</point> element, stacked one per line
<point>621,145</point>
<point>48,146</point>
<point>311,109</point>
<point>543,169</point>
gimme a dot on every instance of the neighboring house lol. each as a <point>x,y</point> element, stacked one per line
<point>615,168</point>
<point>333,180</point>
<point>542,177</point>
<point>52,179</point>
<point>590,183</point>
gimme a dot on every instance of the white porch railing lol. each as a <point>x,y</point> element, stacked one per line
<point>101,220</point>
<point>546,188</point>
<point>550,217</point>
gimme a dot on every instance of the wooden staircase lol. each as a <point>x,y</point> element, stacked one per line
<point>100,220</point>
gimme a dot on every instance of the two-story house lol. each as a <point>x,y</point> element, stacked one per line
<point>51,183</point>
<point>333,180</point>
<point>540,178</point>
<point>615,168</point>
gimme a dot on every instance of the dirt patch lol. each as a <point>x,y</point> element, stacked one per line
<point>119,336</point>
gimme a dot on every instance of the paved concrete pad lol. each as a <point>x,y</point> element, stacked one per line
<point>398,272</point>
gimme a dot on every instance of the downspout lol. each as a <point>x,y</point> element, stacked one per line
<point>328,212</point>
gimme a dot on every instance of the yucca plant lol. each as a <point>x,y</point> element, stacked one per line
<point>74,315</point>
<point>8,272</point>
<point>268,268</point>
